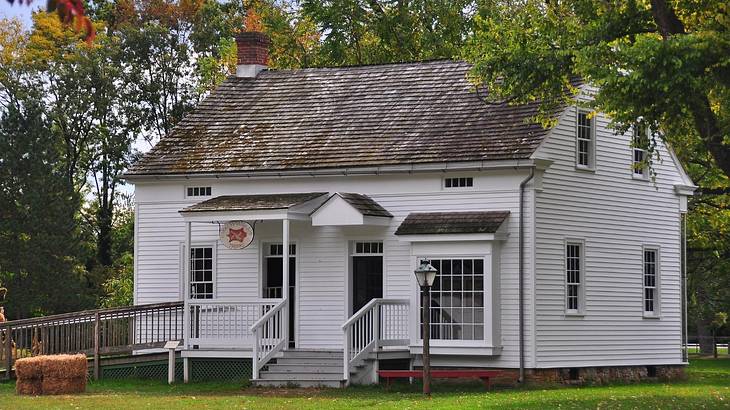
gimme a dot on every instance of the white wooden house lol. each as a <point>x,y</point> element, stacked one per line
<point>557,256</point>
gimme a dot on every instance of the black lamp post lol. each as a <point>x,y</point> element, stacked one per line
<point>425,275</point>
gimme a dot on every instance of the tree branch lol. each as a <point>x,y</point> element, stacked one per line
<point>666,19</point>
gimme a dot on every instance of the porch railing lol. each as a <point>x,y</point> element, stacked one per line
<point>382,322</point>
<point>225,324</point>
<point>93,332</point>
<point>269,337</point>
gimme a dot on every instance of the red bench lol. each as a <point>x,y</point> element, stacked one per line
<point>484,375</point>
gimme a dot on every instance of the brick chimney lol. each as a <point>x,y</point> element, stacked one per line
<point>253,53</point>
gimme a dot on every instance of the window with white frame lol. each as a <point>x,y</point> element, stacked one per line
<point>368,248</point>
<point>585,144</point>
<point>639,141</point>
<point>201,272</point>
<point>651,276</point>
<point>574,277</point>
<point>457,299</point>
<point>459,182</point>
<point>196,191</point>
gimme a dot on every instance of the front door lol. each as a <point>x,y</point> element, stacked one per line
<point>367,273</point>
<point>273,279</point>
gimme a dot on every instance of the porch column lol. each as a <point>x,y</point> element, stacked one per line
<point>186,285</point>
<point>285,278</point>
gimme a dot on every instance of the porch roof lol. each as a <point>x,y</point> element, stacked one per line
<point>479,222</point>
<point>258,206</point>
<point>366,205</point>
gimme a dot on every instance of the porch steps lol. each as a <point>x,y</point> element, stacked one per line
<point>303,368</point>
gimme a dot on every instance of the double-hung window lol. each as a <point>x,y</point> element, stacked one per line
<point>457,299</point>
<point>638,143</point>
<point>651,282</point>
<point>201,272</point>
<point>574,277</point>
<point>585,141</point>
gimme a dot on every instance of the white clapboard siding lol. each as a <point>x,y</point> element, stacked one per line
<point>322,252</point>
<point>615,215</point>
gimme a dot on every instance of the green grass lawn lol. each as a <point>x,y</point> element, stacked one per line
<point>708,387</point>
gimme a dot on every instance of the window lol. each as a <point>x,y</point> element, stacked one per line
<point>193,191</point>
<point>574,277</point>
<point>585,146</point>
<point>462,182</point>
<point>651,275</point>
<point>639,140</point>
<point>201,272</point>
<point>368,248</point>
<point>457,299</point>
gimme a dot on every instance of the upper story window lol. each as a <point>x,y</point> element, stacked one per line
<point>574,277</point>
<point>194,191</point>
<point>460,182</point>
<point>585,146</point>
<point>202,273</point>
<point>639,140</point>
<point>651,282</point>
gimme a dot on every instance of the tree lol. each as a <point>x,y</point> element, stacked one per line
<point>119,287</point>
<point>41,257</point>
<point>708,240</point>
<point>659,63</point>
<point>384,31</point>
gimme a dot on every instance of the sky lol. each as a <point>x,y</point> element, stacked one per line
<point>21,11</point>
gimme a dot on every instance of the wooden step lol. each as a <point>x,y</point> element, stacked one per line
<point>298,383</point>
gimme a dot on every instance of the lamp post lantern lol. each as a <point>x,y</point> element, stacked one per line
<point>425,275</point>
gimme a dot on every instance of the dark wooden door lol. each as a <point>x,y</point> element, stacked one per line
<point>367,280</point>
<point>274,283</point>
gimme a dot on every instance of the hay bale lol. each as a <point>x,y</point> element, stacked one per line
<point>29,368</point>
<point>31,387</point>
<point>64,366</point>
<point>59,374</point>
<point>54,385</point>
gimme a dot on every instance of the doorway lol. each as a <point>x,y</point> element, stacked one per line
<point>367,273</point>
<point>273,280</point>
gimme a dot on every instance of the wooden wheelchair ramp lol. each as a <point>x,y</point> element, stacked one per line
<point>99,333</point>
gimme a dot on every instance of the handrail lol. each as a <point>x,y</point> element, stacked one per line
<point>234,301</point>
<point>360,313</point>
<point>268,336</point>
<point>90,312</point>
<point>380,322</point>
<point>267,315</point>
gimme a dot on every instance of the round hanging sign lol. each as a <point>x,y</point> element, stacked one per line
<point>236,234</point>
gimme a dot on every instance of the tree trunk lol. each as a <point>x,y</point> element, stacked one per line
<point>706,124</point>
<point>704,337</point>
<point>104,241</point>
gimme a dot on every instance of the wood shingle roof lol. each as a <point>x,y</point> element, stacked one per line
<point>409,113</point>
<point>452,222</point>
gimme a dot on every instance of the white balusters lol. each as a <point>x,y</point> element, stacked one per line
<point>217,323</point>
<point>268,335</point>
<point>382,322</point>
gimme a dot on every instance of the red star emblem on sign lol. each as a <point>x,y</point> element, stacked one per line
<point>237,235</point>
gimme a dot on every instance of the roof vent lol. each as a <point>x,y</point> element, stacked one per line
<point>253,53</point>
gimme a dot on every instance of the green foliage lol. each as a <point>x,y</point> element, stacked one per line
<point>383,31</point>
<point>40,253</point>
<point>651,70</point>
<point>119,287</point>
